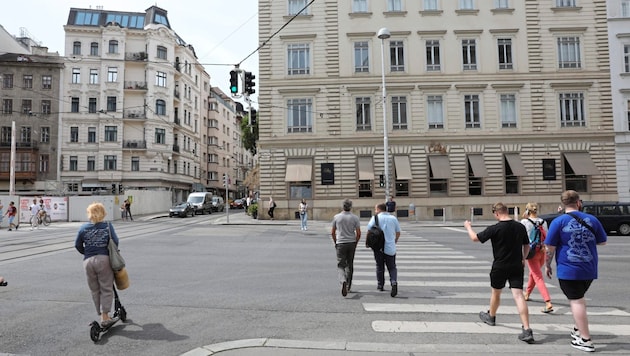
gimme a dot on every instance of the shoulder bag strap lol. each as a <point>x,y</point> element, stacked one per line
<point>579,219</point>
<point>376,220</point>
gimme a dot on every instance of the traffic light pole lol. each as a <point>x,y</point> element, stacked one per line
<point>227,199</point>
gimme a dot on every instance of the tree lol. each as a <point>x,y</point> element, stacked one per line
<point>249,134</point>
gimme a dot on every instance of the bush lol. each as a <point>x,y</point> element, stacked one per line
<point>252,210</point>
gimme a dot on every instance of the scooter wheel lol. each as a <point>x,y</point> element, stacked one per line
<point>123,314</point>
<point>95,332</point>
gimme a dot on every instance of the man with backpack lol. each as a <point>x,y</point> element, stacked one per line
<point>387,256</point>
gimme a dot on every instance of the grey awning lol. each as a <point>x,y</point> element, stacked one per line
<point>516,164</point>
<point>299,170</point>
<point>403,168</point>
<point>440,167</point>
<point>478,165</point>
<point>581,163</point>
<point>366,168</point>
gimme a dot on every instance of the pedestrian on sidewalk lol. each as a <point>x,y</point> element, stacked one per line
<point>391,205</point>
<point>303,208</point>
<point>346,233</point>
<point>531,221</point>
<point>386,257</point>
<point>11,212</point>
<point>573,239</point>
<point>272,207</point>
<point>128,209</point>
<point>510,245</point>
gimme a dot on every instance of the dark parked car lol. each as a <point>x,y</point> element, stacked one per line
<point>182,210</point>
<point>614,216</point>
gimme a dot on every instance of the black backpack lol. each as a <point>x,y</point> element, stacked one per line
<point>375,238</point>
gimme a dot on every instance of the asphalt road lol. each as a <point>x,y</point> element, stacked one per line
<point>197,282</point>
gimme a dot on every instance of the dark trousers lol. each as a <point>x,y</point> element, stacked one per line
<point>345,261</point>
<point>128,212</point>
<point>383,260</point>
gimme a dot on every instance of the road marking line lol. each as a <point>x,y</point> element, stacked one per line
<point>481,328</point>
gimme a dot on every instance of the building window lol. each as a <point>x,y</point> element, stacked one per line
<point>44,134</point>
<point>76,75</point>
<point>573,181</point>
<point>435,112</point>
<point>160,107</point>
<point>569,52</point>
<point>111,133</point>
<point>46,107</point>
<point>91,134</point>
<point>112,74</point>
<point>433,55</point>
<point>7,106</point>
<point>160,79</point>
<point>511,180</point>
<point>471,112</point>
<point>566,3</point>
<point>27,106</point>
<point>76,48</point>
<point>364,120</point>
<point>399,112</point>
<point>94,49</point>
<point>7,81</point>
<point>394,5</point>
<point>160,136</point>
<point>402,188</point>
<point>47,82</point>
<point>295,6</point>
<point>92,105</point>
<point>135,164</point>
<point>361,57</point>
<point>502,4</point>
<point>6,135</point>
<point>431,5</point>
<point>625,8</point>
<point>466,4</point>
<point>365,188</point>
<point>44,163</point>
<point>111,103</point>
<point>359,6</point>
<point>626,58</point>
<point>27,81</point>
<point>74,163</point>
<point>113,46</point>
<point>300,190</point>
<point>74,134</point>
<point>437,186</point>
<point>572,112</point>
<point>25,134</point>
<point>508,110</point>
<point>74,104</point>
<point>298,59</point>
<point>469,54</point>
<point>505,53</point>
<point>474,183</point>
<point>110,163</point>
<point>162,52</point>
<point>628,113</point>
<point>396,56</point>
<point>93,76</point>
<point>299,115</point>
<point>91,163</point>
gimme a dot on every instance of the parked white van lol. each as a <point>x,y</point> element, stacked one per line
<point>201,202</point>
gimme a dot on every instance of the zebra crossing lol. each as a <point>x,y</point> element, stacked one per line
<point>442,290</point>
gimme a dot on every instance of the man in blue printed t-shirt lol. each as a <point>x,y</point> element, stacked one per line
<point>391,229</point>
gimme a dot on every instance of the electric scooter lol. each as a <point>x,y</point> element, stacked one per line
<point>119,314</point>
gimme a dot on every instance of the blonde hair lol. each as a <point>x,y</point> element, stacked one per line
<point>532,208</point>
<point>96,212</point>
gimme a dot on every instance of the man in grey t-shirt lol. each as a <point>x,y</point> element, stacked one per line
<point>346,233</point>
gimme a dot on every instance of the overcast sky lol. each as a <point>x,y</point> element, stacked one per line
<point>223,32</point>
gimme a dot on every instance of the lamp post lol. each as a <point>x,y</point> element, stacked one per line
<point>384,34</point>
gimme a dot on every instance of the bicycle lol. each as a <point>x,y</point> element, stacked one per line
<point>40,219</point>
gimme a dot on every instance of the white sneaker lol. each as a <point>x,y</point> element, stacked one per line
<point>584,345</point>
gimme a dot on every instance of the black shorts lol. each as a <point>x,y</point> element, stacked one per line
<point>514,275</point>
<point>574,289</point>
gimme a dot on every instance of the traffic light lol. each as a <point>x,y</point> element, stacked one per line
<point>225,179</point>
<point>381,182</point>
<point>113,188</point>
<point>249,83</point>
<point>253,117</point>
<point>234,82</point>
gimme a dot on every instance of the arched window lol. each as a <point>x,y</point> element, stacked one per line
<point>76,48</point>
<point>113,46</point>
<point>160,107</point>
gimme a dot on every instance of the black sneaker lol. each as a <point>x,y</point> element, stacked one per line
<point>394,290</point>
<point>584,345</point>
<point>16,227</point>
<point>380,288</point>
<point>526,335</point>
<point>486,318</point>
<point>344,289</point>
<point>3,283</point>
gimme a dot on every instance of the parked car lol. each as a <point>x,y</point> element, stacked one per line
<point>614,216</point>
<point>218,204</point>
<point>201,202</point>
<point>182,210</point>
<point>237,204</point>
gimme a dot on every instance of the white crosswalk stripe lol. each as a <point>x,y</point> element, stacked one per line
<point>431,275</point>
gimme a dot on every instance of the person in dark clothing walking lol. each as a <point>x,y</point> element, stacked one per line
<point>128,209</point>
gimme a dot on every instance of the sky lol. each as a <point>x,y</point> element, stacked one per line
<point>222,32</point>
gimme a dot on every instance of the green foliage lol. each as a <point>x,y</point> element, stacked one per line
<point>249,134</point>
<point>252,209</point>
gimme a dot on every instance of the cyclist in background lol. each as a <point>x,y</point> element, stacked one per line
<point>34,214</point>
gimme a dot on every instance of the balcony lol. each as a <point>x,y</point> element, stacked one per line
<point>135,114</point>
<point>176,148</point>
<point>177,121</point>
<point>136,56</point>
<point>134,144</point>
<point>135,85</point>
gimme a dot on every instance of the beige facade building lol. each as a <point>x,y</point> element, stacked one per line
<point>485,101</point>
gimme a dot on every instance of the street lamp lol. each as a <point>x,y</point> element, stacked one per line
<point>384,34</point>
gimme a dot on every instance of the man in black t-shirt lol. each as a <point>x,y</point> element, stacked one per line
<point>510,245</point>
<point>391,205</point>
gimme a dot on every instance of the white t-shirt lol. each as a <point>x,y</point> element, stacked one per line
<point>34,209</point>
